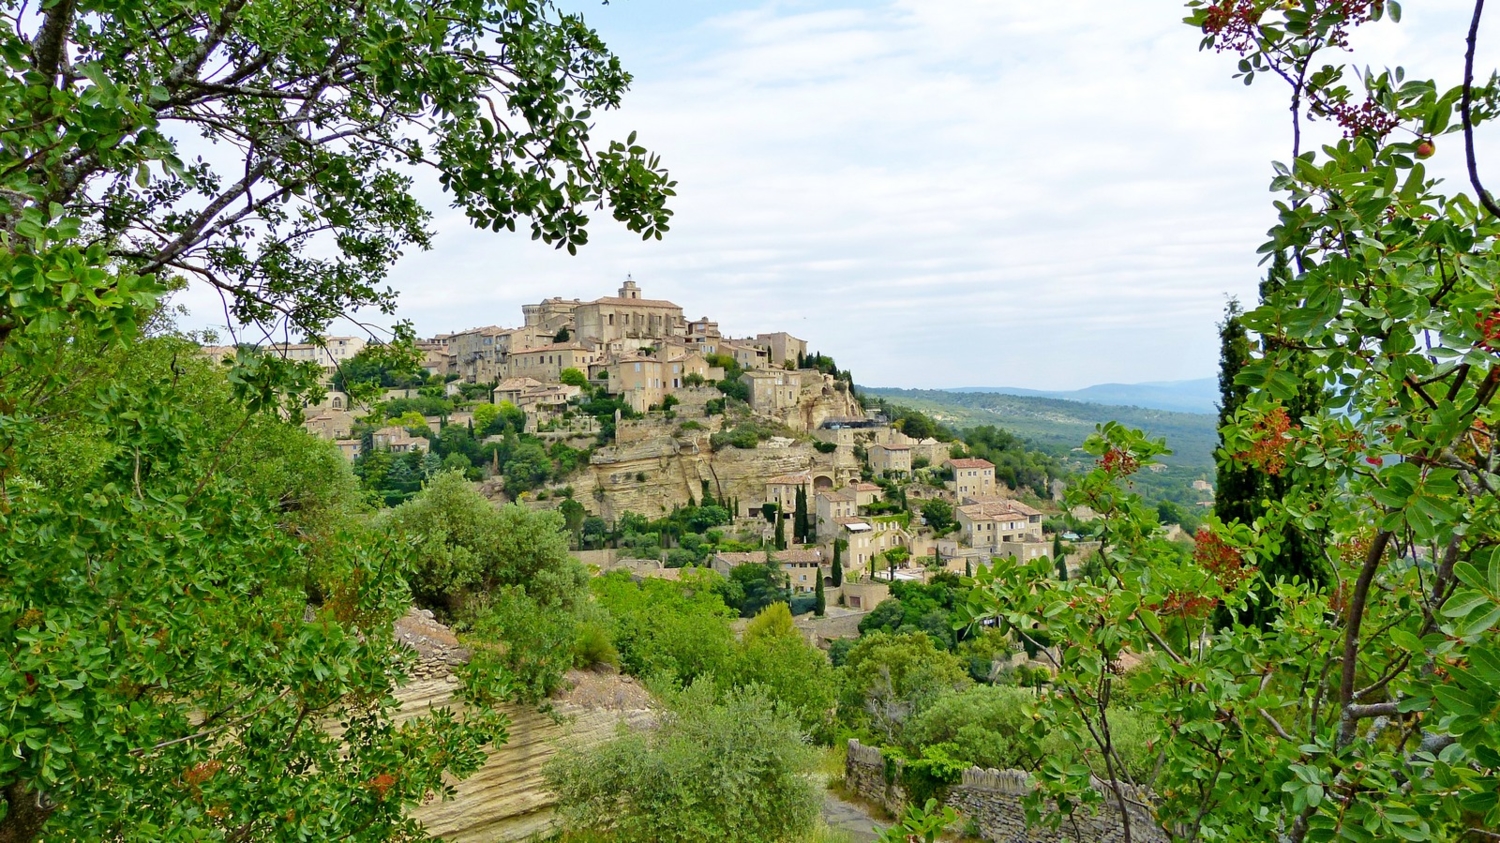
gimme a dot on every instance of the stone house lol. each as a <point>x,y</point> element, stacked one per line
<point>543,404</point>
<point>781,348</point>
<point>972,477</point>
<point>782,490</point>
<point>745,353</point>
<point>330,424</point>
<point>511,389</point>
<point>772,391</point>
<point>350,448</point>
<point>890,458</point>
<point>802,566</point>
<point>397,440</point>
<point>864,493</point>
<point>328,355</point>
<point>638,380</point>
<point>547,363</point>
<point>988,525</point>
<point>831,507</point>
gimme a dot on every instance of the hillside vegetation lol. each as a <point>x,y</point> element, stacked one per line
<point>1060,424</point>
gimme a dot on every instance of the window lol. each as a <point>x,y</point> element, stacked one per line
<point>637,367</point>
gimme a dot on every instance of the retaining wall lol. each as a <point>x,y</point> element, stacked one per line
<point>994,801</point>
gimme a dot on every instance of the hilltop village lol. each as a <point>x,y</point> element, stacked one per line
<point>622,411</point>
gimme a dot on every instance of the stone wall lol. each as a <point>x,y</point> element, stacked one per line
<point>993,800</point>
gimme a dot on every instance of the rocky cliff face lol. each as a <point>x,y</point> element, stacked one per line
<point>507,799</point>
<point>653,474</point>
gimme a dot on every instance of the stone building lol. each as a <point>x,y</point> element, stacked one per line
<point>773,391</point>
<point>547,362</point>
<point>627,315</point>
<point>890,458</point>
<point>327,355</point>
<point>972,477</point>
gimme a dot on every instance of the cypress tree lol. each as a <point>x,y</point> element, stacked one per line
<point>1241,490</point>
<point>968,567</point>
<point>838,565</point>
<point>799,526</point>
<point>780,532</point>
<point>1236,487</point>
<point>820,604</point>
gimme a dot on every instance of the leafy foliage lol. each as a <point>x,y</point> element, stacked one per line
<point>717,768</point>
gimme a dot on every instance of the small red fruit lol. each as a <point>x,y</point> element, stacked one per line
<point>1425,148</point>
<point>1375,461</point>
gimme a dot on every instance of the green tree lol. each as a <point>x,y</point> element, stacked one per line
<point>728,768</point>
<point>888,679</point>
<point>938,514</point>
<point>780,536</point>
<point>466,546</point>
<point>573,377</point>
<point>161,534</point>
<point>820,604</point>
<point>679,630</point>
<point>484,416</point>
<point>313,108</point>
<point>838,565</point>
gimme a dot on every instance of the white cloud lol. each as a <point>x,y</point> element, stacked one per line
<point>936,192</point>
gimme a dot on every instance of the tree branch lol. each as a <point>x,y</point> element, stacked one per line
<point>1465,109</point>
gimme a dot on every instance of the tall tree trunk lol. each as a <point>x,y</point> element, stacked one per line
<point>26,812</point>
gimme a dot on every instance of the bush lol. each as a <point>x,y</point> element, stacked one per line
<point>679,630</point>
<point>535,647</point>
<point>826,447</point>
<point>730,769</point>
<point>593,647</point>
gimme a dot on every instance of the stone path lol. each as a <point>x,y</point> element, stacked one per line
<point>850,819</point>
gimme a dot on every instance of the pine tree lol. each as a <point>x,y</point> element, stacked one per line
<point>820,604</point>
<point>838,565</point>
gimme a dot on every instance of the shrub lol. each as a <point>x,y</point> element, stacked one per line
<point>826,447</point>
<point>730,769</point>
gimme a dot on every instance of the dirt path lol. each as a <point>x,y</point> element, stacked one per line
<point>850,819</point>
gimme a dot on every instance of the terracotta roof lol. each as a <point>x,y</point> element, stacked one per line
<point>865,487</point>
<point>734,559</point>
<point>790,479</point>
<point>893,447</point>
<point>1010,503</point>
<point>513,384</point>
<point>971,463</point>
<point>992,512</point>
<point>565,346</point>
<point>836,496</point>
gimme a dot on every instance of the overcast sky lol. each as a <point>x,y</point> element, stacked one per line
<point>937,193</point>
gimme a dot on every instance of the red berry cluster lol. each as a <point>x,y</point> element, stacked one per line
<point>1185,605</point>
<point>1221,559</point>
<point>1369,120</point>
<point>1233,25</point>
<point>202,771</point>
<point>1269,439</point>
<point>381,784</point>
<point>1489,328</point>
<point>1349,13</point>
<point>1119,462</point>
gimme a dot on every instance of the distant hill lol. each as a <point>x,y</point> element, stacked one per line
<point>1061,425</point>
<point>1191,396</point>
